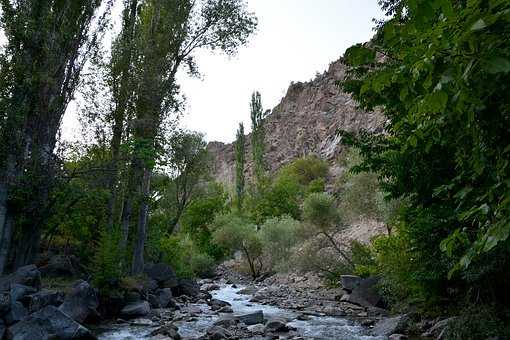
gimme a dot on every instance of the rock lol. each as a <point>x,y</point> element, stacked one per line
<point>257,329</point>
<point>44,298</point>
<point>350,282</point>
<point>248,291</point>
<point>19,291</point>
<point>218,304</point>
<point>5,303</point>
<point>388,326</point>
<point>149,285</point>
<point>187,287</point>
<point>364,294</point>
<point>218,333</point>
<point>164,297</point>
<point>80,302</point>
<point>17,313</point>
<point>276,325</point>
<point>397,337</point>
<point>208,287</point>
<point>168,330</point>
<point>226,322</point>
<point>163,274</point>
<point>27,275</point>
<point>226,309</point>
<point>252,318</point>
<point>48,323</point>
<point>303,317</point>
<point>131,297</point>
<point>136,309</point>
<point>58,266</point>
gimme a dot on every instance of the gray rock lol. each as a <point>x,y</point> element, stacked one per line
<point>136,309</point>
<point>226,309</point>
<point>276,325</point>
<point>364,294</point>
<point>248,291</point>
<point>208,287</point>
<point>218,304</point>
<point>27,275</point>
<point>163,274</point>
<point>257,329</point>
<point>187,287</point>
<point>168,330</point>
<point>19,291</point>
<point>80,302</point>
<point>397,337</point>
<point>164,297</point>
<point>58,266</point>
<point>388,326</point>
<point>218,333</point>
<point>44,298</point>
<point>226,322</point>
<point>350,282</point>
<point>252,318</point>
<point>17,313</point>
<point>48,323</point>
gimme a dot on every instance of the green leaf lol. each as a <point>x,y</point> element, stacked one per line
<point>359,55</point>
<point>497,65</point>
<point>478,25</point>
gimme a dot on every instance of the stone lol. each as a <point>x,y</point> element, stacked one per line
<point>136,309</point>
<point>226,322</point>
<point>48,323</point>
<point>188,287</point>
<point>218,333</point>
<point>364,294</point>
<point>252,318</point>
<point>168,330</point>
<point>257,329</point>
<point>59,266</point>
<point>164,297</point>
<point>303,317</point>
<point>163,274</point>
<point>350,282</point>
<point>44,298</point>
<point>276,325</point>
<point>226,309</point>
<point>438,328</point>
<point>17,313</point>
<point>218,304</point>
<point>80,302</point>
<point>388,326</point>
<point>19,291</point>
<point>250,290</point>
<point>208,287</point>
<point>397,337</point>
<point>27,275</point>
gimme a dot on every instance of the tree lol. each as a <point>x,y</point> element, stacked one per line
<point>257,137</point>
<point>48,43</point>
<point>440,70</point>
<point>240,150</point>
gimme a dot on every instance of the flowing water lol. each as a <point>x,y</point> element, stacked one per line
<point>317,327</point>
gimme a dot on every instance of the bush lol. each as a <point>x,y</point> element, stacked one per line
<point>185,257</point>
<point>107,263</point>
<point>236,233</point>
<point>306,169</point>
<point>278,236</point>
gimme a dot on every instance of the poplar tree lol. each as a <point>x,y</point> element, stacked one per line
<point>240,149</point>
<point>257,137</point>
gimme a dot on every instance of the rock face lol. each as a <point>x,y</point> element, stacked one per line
<point>304,123</point>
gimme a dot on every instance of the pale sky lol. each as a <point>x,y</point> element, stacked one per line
<point>295,40</point>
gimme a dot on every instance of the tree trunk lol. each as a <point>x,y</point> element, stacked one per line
<point>138,254</point>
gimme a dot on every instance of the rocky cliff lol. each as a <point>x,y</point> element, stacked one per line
<point>305,122</point>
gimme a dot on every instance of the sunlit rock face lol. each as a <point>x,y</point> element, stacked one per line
<point>304,123</point>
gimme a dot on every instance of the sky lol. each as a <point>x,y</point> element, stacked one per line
<point>295,40</point>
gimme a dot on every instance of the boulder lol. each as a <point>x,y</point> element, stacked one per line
<point>350,282</point>
<point>187,287</point>
<point>218,304</point>
<point>388,326</point>
<point>364,294</point>
<point>209,287</point>
<point>27,275</point>
<point>168,330</point>
<point>164,297</point>
<point>17,313</point>
<point>226,322</point>
<point>136,309</point>
<point>218,333</point>
<point>276,325</point>
<point>60,265</point>
<point>80,302</point>
<point>250,290</point>
<point>163,274</point>
<point>18,291</point>
<point>252,318</point>
<point>48,323</point>
<point>397,337</point>
<point>257,329</point>
<point>44,298</point>
<point>226,309</point>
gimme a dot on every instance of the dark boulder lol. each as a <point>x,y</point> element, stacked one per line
<point>163,274</point>
<point>60,265</point>
<point>80,302</point>
<point>164,297</point>
<point>44,298</point>
<point>27,275</point>
<point>169,331</point>
<point>19,291</point>
<point>216,304</point>
<point>389,326</point>
<point>218,333</point>
<point>252,318</point>
<point>16,313</point>
<point>188,287</point>
<point>363,293</point>
<point>48,323</point>
<point>350,282</point>
<point>226,322</point>
<point>136,309</point>
<point>276,325</point>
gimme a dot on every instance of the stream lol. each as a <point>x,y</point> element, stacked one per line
<point>317,327</point>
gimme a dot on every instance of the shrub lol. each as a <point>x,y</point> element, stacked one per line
<point>306,169</point>
<point>278,236</point>
<point>107,263</point>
